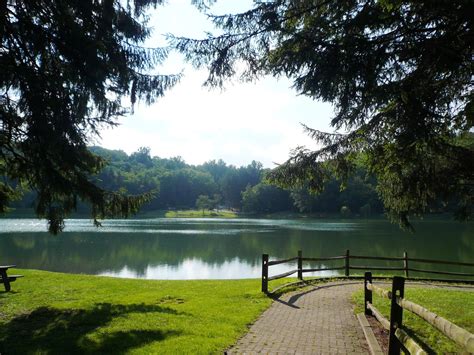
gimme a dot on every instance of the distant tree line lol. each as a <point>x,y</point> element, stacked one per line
<point>216,184</point>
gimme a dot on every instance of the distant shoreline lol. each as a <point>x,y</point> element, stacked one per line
<point>224,213</point>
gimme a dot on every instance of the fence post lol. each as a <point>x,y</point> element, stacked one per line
<point>347,263</point>
<point>396,314</point>
<point>265,273</point>
<point>300,265</point>
<point>405,263</point>
<point>367,292</point>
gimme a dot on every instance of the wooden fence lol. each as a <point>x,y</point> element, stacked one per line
<point>347,267</point>
<point>398,338</point>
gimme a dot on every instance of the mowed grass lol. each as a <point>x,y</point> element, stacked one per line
<point>200,214</point>
<point>62,313</point>
<point>456,306</point>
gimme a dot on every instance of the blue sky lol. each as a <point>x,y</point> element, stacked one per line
<point>247,121</point>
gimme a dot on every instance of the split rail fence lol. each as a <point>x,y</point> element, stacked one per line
<point>398,338</point>
<point>407,269</point>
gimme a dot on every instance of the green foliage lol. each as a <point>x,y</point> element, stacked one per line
<point>234,181</point>
<point>264,198</point>
<point>454,305</point>
<point>181,188</point>
<point>142,156</point>
<point>216,201</point>
<point>203,202</point>
<point>359,195</point>
<point>89,314</point>
<point>399,74</point>
<point>66,68</point>
<point>177,185</point>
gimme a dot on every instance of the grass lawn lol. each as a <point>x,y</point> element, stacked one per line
<point>62,313</point>
<point>456,306</point>
<point>200,214</point>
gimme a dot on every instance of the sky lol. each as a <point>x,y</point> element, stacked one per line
<point>247,121</point>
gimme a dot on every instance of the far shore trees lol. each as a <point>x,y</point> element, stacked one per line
<point>203,203</point>
<point>399,74</point>
<point>178,185</point>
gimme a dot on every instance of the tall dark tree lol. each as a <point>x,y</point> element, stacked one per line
<point>235,180</point>
<point>264,198</point>
<point>399,74</point>
<point>66,68</point>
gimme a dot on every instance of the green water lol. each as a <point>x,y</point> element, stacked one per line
<point>218,248</point>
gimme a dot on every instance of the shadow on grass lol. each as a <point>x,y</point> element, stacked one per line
<point>57,331</point>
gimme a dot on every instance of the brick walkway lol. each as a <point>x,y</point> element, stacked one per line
<point>318,320</point>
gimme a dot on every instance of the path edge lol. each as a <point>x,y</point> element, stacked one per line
<point>374,346</point>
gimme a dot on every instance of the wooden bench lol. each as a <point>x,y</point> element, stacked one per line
<point>5,279</point>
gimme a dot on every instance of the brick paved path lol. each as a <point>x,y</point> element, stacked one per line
<point>318,320</point>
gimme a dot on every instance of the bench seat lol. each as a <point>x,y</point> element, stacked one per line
<point>5,278</point>
<point>11,278</point>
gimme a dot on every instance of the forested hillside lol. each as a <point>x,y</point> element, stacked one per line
<point>178,185</point>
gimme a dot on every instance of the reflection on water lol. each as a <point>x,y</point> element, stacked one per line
<point>220,248</point>
<point>193,269</point>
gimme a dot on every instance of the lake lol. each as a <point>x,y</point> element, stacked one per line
<point>165,248</point>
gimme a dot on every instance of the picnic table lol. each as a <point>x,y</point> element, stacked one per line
<point>5,279</point>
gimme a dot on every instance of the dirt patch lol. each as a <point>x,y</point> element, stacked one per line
<point>381,334</point>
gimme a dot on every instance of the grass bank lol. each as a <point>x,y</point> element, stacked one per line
<point>456,306</point>
<point>56,313</point>
<point>200,214</point>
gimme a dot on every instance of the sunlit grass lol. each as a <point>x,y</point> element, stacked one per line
<point>456,306</point>
<point>62,313</point>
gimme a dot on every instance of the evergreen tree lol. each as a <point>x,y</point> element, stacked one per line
<point>66,67</point>
<point>399,74</point>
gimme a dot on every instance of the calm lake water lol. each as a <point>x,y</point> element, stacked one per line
<point>221,248</point>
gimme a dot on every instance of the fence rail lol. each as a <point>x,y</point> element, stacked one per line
<point>347,267</point>
<point>398,338</point>
<point>325,259</point>
<point>276,262</point>
<point>323,269</point>
<point>280,276</point>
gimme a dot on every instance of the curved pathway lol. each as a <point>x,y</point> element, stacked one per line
<point>317,320</point>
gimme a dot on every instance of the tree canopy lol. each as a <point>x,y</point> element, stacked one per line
<point>178,185</point>
<point>67,69</point>
<point>399,74</point>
